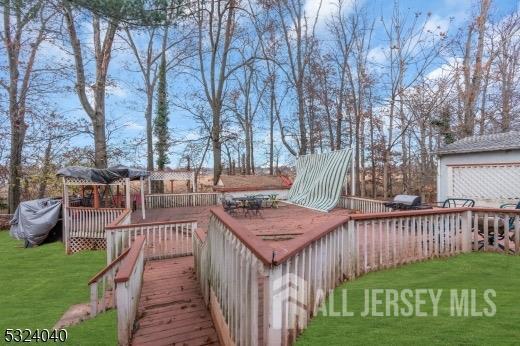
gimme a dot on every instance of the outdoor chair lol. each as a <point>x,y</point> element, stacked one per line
<point>457,203</point>
<point>229,206</point>
<point>254,206</point>
<point>273,200</point>
<point>503,229</point>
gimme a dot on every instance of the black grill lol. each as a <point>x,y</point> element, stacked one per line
<point>406,202</point>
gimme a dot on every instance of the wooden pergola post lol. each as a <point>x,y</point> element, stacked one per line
<point>128,204</point>
<point>142,199</point>
<point>96,196</point>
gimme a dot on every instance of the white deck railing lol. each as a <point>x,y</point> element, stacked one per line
<point>90,222</point>
<point>232,281</point>
<point>182,200</point>
<point>163,239</point>
<point>128,281</point>
<point>119,285</point>
<point>291,286</point>
<point>364,205</point>
<point>496,230</point>
<point>102,286</point>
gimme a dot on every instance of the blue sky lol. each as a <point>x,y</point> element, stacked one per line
<point>126,103</point>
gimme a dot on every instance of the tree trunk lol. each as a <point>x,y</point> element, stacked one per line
<point>45,169</point>
<point>149,131</point>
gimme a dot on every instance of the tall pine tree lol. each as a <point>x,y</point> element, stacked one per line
<point>161,119</point>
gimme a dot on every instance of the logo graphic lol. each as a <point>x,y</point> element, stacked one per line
<point>288,301</point>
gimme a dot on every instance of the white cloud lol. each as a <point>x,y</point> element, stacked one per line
<point>326,9</point>
<point>377,55</point>
<point>132,125</point>
<point>437,24</point>
<point>116,90</point>
<point>445,70</point>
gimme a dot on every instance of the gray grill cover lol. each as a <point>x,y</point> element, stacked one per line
<point>33,220</point>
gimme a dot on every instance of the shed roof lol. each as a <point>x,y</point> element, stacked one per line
<point>492,142</point>
<point>252,183</point>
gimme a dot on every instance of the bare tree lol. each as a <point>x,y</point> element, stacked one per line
<point>472,71</point>
<point>216,26</point>
<point>25,28</point>
<point>102,56</point>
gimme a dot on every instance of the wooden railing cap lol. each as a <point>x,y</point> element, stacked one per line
<point>128,264</point>
<point>263,251</point>
<point>146,224</point>
<point>108,267</point>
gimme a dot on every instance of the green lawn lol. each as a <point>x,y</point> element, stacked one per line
<point>38,285</point>
<point>471,271</point>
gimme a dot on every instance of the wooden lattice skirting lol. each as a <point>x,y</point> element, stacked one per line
<point>80,244</point>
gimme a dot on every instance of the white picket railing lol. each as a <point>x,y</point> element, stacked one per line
<point>102,286</point>
<point>364,205</point>
<point>234,260</point>
<point>496,230</point>
<point>163,239</point>
<point>128,281</point>
<point>235,277</point>
<point>90,222</point>
<point>182,200</point>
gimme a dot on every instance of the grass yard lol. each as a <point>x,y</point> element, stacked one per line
<point>478,271</point>
<point>38,285</point>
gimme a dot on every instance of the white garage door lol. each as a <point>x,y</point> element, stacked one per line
<point>497,182</point>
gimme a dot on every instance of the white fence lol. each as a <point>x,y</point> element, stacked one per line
<point>364,205</point>
<point>182,200</point>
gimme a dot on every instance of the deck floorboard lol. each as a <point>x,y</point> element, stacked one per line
<point>171,307</point>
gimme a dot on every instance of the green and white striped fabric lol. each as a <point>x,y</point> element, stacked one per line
<point>319,179</point>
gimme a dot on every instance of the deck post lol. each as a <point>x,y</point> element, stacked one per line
<point>93,299</point>
<point>466,230</point>
<point>353,176</point>
<point>275,309</point>
<point>65,206</point>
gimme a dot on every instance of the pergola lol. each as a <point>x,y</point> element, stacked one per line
<point>171,176</point>
<point>118,176</point>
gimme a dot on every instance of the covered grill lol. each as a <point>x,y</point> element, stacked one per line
<point>406,202</point>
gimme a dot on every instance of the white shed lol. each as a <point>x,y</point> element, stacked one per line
<point>484,168</point>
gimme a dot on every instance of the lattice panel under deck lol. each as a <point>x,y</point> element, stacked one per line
<point>80,244</point>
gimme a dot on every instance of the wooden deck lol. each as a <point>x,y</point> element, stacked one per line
<point>171,307</point>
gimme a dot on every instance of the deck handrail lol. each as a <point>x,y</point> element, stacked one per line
<point>181,194</point>
<point>104,282</point>
<point>365,205</point>
<point>256,246</point>
<point>130,260</point>
<point>92,208</point>
<point>173,200</point>
<point>112,264</point>
<point>158,223</point>
<point>126,214</point>
<point>129,281</point>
